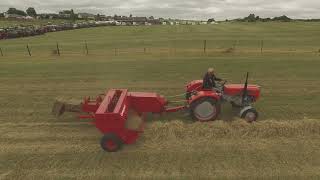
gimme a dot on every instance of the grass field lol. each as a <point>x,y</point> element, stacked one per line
<point>283,144</point>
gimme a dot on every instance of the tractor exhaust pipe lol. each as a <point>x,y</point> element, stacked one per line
<point>59,107</point>
<point>245,90</point>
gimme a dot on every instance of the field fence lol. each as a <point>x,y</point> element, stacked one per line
<point>168,47</point>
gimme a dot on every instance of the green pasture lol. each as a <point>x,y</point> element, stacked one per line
<point>162,59</point>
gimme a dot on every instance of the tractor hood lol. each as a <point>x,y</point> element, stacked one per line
<point>236,89</point>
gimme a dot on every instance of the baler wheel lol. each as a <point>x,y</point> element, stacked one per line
<point>205,109</point>
<point>111,142</point>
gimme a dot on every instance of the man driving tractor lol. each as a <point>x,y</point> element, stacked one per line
<point>209,79</point>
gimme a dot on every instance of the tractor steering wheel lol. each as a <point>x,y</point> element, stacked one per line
<point>223,82</point>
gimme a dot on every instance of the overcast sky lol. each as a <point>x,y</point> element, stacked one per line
<point>183,9</point>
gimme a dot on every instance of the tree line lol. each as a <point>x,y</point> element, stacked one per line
<point>30,12</point>
<point>254,18</point>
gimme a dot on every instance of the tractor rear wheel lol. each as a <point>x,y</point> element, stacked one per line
<point>111,142</point>
<point>250,115</point>
<point>205,109</point>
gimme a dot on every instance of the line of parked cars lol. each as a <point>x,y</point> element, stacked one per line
<point>30,30</point>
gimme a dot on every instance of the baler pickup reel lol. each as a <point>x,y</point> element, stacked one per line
<point>59,107</point>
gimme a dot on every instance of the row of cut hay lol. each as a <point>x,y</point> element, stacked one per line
<point>178,130</point>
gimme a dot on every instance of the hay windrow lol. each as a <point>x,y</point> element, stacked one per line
<point>177,130</point>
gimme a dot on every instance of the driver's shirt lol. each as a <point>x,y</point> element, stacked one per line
<point>209,81</point>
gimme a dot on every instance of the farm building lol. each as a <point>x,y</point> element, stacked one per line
<point>12,16</point>
<point>86,16</point>
<point>65,14</point>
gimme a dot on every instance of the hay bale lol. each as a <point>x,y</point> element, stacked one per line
<point>134,121</point>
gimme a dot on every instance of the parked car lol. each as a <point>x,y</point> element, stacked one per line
<point>3,34</point>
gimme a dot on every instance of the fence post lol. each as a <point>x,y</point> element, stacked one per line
<point>205,46</point>
<point>86,46</point>
<point>175,47</point>
<point>144,47</point>
<point>261,46</point>
<point>28,50</point>
<point>1,51</point>
<point>58,49</point>
<point>235,45</point>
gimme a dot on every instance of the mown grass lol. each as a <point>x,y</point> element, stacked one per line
<point>284,144</point>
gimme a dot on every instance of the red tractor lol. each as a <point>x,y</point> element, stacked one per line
<point>113,110</point>
<point>205,104</point>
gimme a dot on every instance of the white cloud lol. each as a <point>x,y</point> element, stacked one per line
<point>186,9</point>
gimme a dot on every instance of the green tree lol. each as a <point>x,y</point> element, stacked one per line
<point>98,17</point>
<point>251,18</point>
<point>16,11</point>
<point>31,12</point>
<point>73,16</point>
<point>283,18</point>
<point>211,20</point>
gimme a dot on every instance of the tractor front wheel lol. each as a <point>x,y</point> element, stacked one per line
<point>111,142</point>
<point>250,115</point>
<point>205,109</point>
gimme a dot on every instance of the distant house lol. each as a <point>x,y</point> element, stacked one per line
<point>213,22</point>
<point>103,18</point>
<point>109,18</point>
<point>65,14</point>
<point>86,16</point>
<point>28,18</point>
<point>154,21</point>
<point>47,16</point>
<point>124,20</point>
<point>140,20</point>
<point>184,22</point>
<point>12,16</point>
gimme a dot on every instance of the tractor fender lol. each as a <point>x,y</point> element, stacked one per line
<point>204,94</point>
<point>195,85</point>
<point>244,110</point>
